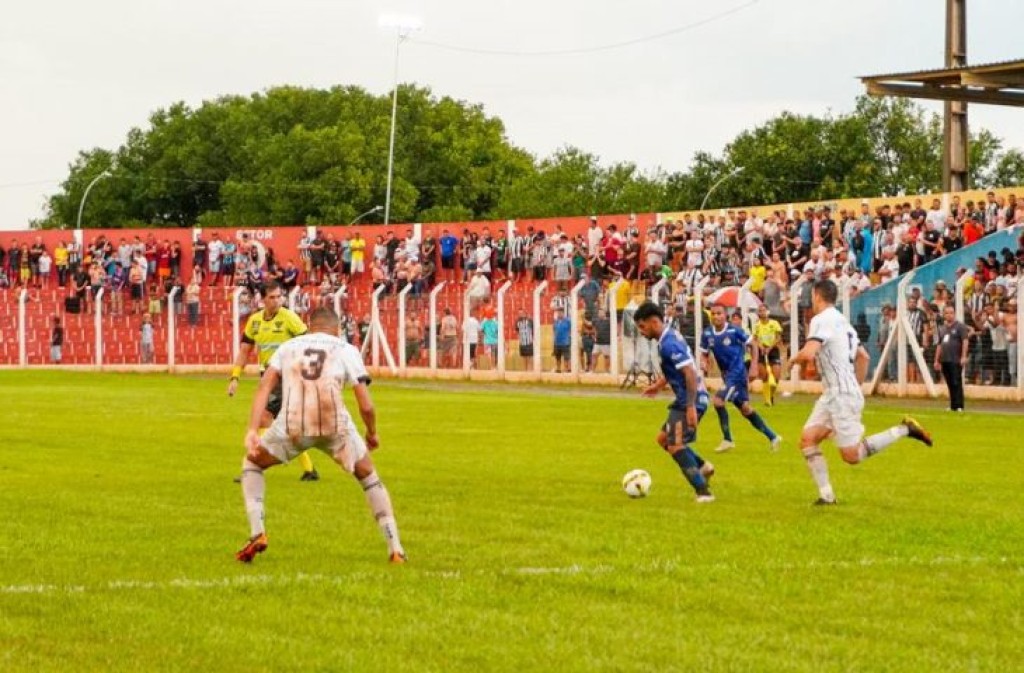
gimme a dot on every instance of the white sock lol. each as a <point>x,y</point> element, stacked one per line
<point>875,443</point>
<point>254,486</point>
<point>819,471</point>
<point>380,504</point>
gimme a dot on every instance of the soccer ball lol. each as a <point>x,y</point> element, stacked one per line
<point>636,483</point>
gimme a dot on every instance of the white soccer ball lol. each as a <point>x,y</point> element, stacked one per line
<point>637,483</point>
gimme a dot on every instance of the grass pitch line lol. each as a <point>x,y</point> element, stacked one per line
<point>658,567</point>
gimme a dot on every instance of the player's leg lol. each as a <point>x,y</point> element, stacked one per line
<point>720,400</point>
<point>706,468</point>
<point>849,431</point>
<point>254,488</point>
<point>817,430</point>
<point>742,401</point>
<point>376,494</point>
<point>673,438</point>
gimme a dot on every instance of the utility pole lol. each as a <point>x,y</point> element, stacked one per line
<point>955,132</point>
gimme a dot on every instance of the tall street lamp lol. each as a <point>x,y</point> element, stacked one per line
<point>715,186</point>
<point>85,195</point>
<point>404,26</point>
<point>371,211</point>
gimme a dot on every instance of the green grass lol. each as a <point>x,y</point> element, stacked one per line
<point>120,522</point>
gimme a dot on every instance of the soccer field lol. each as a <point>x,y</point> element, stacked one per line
<point>120,521</point>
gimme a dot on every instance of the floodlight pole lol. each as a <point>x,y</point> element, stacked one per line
<point>85,195</point>
<point>715,186</point>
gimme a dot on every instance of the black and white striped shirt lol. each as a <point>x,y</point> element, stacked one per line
<point>524,326</point>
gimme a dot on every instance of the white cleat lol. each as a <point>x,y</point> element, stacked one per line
<point>707,470</point>
<point>725,446</point>
<point>776,443</point>
<point>706,497</point>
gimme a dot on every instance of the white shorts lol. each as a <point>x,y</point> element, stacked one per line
<point>841,415</point>
<point>356,266</point>
<point>603,350</point>
<point>347,449</point>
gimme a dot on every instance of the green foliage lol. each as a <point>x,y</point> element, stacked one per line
<point>524,553</point>
<point>306,156</point>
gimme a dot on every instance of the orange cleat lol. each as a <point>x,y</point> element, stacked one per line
<point>255,545</point>
<point>398,558</point>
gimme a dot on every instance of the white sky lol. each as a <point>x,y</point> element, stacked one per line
<point>80,75</point>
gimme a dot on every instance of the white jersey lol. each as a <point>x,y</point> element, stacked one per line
<point>835,360</point>
<point>314,369</point>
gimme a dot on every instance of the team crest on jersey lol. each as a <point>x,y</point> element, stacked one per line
<point>726,341</point>
<point>255,325</point>
<point>278,323</point>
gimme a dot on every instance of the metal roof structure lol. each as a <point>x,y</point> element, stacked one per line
<point>999,83</point>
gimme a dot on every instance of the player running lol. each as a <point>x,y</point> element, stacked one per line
<point>678,371</point>
<point>728,344</point>
<point>767,333</point>
<point>314,368</point>
<point>842,364</point>
<point>266,330</point>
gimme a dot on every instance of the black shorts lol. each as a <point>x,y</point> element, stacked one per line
<point>448,262</point>
<point>472,351</point>
<point>561,352</point>
<point>526,351</point>
<point>774,356</point>
<point>274,401</point>
<point>518,265</point>
<point>136,291</point>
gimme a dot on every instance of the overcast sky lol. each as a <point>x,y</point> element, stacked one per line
<point>79,75</point>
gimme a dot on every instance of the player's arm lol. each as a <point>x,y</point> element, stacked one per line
<point>367,412</point>
<point>690,376</point>
<point>259,405</point>
<point>861,362</point>
<point>755,356</point>
<point>656,387</point>
<point>244,351</point>
<point>805,354</point>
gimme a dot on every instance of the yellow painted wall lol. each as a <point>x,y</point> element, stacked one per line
<point>853,204</point>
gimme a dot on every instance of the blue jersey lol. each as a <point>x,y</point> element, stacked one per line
<point>448,245</point>
<point>729,348</point>
<point>675,357</point>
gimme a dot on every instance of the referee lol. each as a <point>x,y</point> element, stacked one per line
<point>951,356</point>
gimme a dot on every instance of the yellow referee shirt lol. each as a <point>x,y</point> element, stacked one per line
<point>267,334</point>
<point>767,333</point>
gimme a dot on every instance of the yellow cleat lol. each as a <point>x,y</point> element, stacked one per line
<point>916,431</point>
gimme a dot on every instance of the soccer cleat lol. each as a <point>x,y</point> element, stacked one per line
<point>705,497</point>
<point>237,479</point>
<point>256,545</point>
<point>398,558</point>
<point>312,475</point>
<point>776,443</point>
<point>707,470</point>
<point>916,431</point>
<point>725,446</point>
<point>824,502</point>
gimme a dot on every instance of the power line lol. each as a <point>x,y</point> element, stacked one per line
<point>594,49</point>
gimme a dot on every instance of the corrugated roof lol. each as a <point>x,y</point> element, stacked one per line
<point>1008,65</point>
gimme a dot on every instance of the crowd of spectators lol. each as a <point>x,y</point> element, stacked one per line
<point>861,249</point>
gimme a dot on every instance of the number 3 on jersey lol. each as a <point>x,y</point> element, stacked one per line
<point>313,363</point>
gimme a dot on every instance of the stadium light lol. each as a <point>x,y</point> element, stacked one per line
<point>715,186</point>
<point>404,26</point>
<point>371,211</point>
<point>88,188</point>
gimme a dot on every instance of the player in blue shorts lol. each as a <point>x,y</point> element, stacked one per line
<point>679,371</point>
<point>728,344</point>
